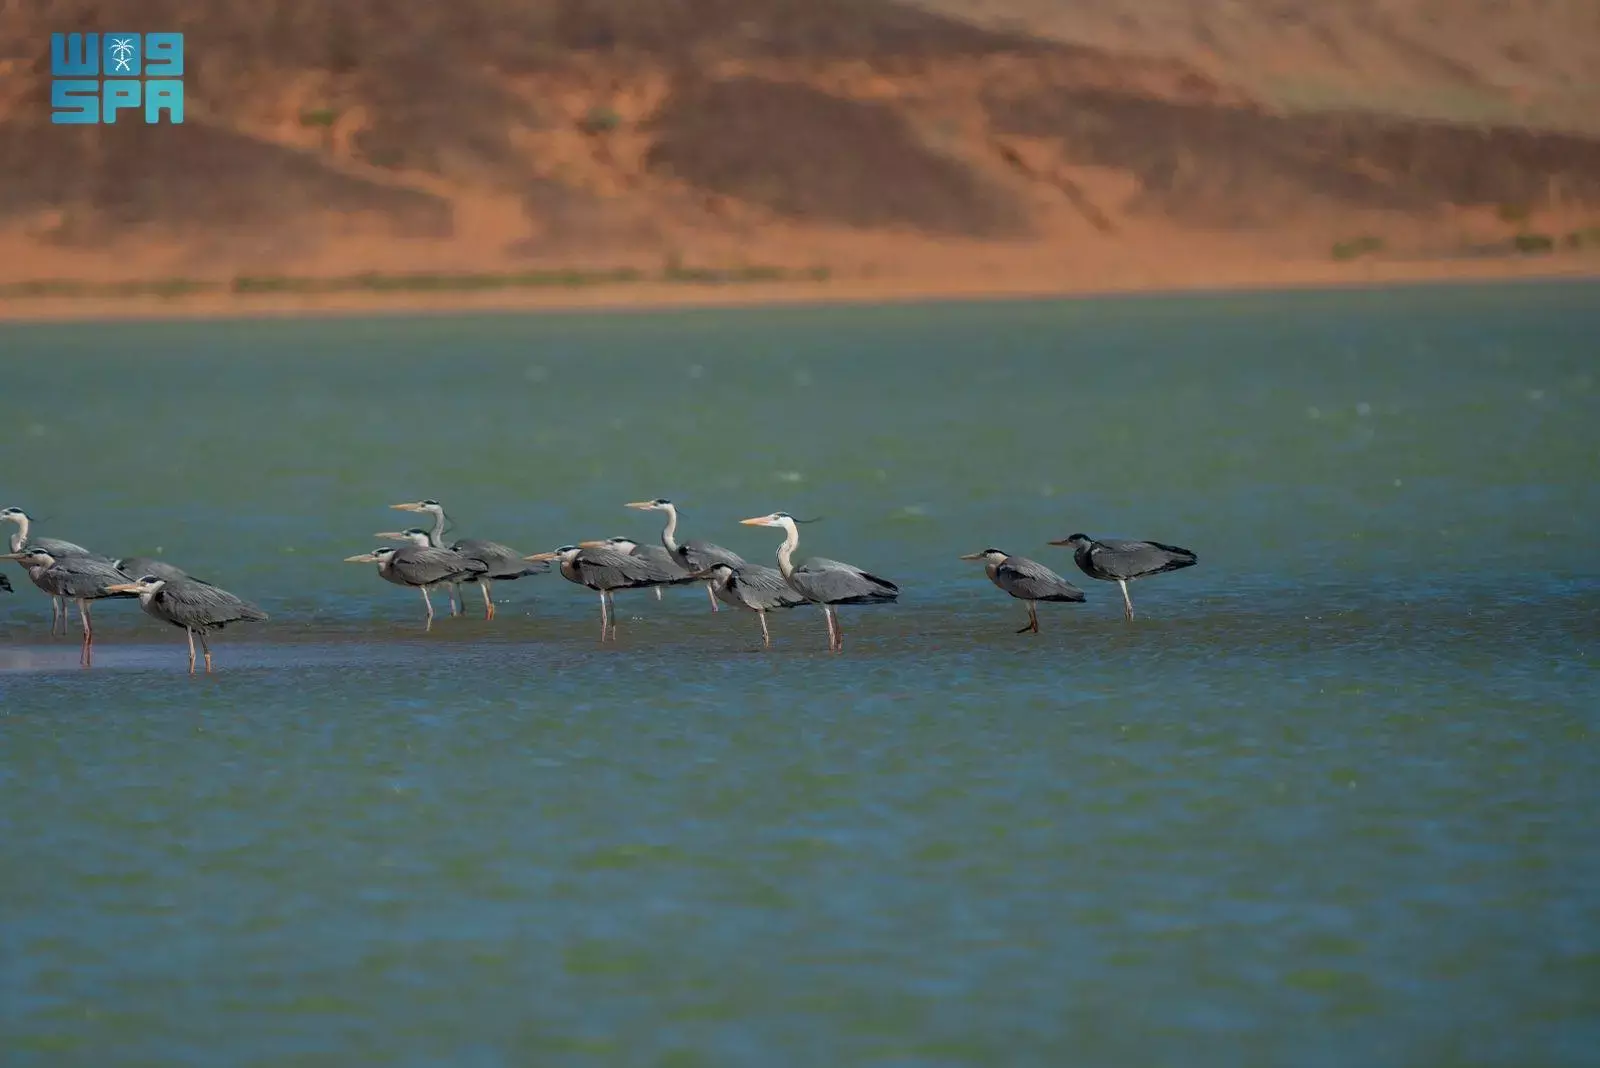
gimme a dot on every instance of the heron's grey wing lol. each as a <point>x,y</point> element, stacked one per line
<point>1032,581</point>
<point>421,565</point>
<point>1124,559</point>
<point>140,566</point>
<point>834,582</point>
<point>190,603</point>
<point>87,576</point>
<point>704,554</point>
<point>610,570</point>
<point>57,548</point>
<point>762,588</point>
<point>504,563</point>
<point>665,570</point>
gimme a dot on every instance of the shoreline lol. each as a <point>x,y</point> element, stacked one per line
<point>645,296</point>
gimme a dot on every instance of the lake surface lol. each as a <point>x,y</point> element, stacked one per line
<point>1330,799</point>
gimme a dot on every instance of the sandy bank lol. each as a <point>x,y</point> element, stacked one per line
<point>660,295</point>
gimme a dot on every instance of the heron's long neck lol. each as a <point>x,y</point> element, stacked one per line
<point>669,532</point>
<point>149,594</point>
<point>20,538</point>
<point>436,537</point>
<point>791,542</point>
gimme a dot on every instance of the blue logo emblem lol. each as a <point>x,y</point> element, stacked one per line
<point>94,76</point>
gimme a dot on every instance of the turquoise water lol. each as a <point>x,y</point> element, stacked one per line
<point>1328,800</point>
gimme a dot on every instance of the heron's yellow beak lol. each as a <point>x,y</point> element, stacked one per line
<point>758,521</point>
<point>643,506</point>
<point>972,556</point>
<point>392,534</point>
<point>413,507</point>
<point>1060,541</point>
<point>364,558</point>
<point>13,556</point>
<point>536,557</point>
<point>591,545</point>
<point>126,587</point>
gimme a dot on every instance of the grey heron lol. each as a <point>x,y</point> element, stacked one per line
<point>504,563</point>
<point>54,546</point>
<point>603,570</point>
<point>751,586</point>
<point>667,570</point>
<point>421,567</point>
<point>80,578</point>
<point>192,605</point>
<point>1027,580</point>
<point>825,582</point>
<point>691,555</point>
<point>1121,561</point>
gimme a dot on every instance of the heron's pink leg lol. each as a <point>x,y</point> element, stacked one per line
<point>1126,600</point>
<point>605,620</point>
<point>190,634</point>
<point>429,602</point>
<point>488,605</point>
<point>711,592</point>
<point>766,638</point>
<point>88,631</point>
<point>658,593</point>
<point>452,591</point>
<point>207,647</point>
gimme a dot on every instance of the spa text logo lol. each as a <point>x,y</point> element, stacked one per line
<point>95,75</point>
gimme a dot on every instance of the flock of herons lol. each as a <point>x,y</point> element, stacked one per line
<point>69,572</point>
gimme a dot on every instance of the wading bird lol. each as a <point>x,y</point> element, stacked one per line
<point>692,555</point>
<point>1120,561</point>
<point>760,589</point>
<point>1027,580</point>
<point>54,546</point>
<point>79,578</point>
<point>421,567</point>
<point>667,570</point>
<point>825,582</point>
<point>603,570</point>
<point>193,605</point>
<point>504,563</point>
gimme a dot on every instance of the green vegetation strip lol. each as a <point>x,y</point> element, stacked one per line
<point>408,283</point>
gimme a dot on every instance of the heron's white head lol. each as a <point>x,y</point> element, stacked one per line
<point>376,556</point>
<point>616,545</point>
<point>31,558</point>
<point>988,556</point>
<point>776,519</point>
<point>146,586</point>
<point>1077,541</point>
<point>415,536</point>
<point>563,553</point>
<point>14,515</point>
<point>660,504</point>
<point>430,506</point>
